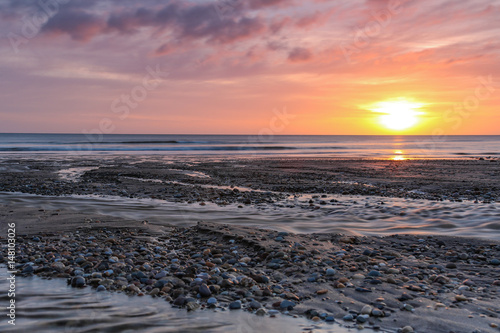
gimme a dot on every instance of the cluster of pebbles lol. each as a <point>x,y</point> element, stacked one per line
<point>265,180</point>
<point>396,283</point>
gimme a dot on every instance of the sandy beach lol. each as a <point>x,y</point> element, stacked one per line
<point>253,181</point>
<point>397,283</point>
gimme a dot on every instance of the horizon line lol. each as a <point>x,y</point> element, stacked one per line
<point>215,134</point>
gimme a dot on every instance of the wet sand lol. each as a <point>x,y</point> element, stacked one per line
<point>252,181</point>
<point>428,282</point>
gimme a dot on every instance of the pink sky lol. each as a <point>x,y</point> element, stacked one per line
<point>70,66</point>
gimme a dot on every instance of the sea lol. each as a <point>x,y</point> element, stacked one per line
<point>362,146</point>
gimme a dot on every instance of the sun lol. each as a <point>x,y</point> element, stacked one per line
<point>397,115</point>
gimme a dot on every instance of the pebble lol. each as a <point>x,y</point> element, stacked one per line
<point>28,269</point>
<point>204,290</point>
<point>255,305</point>
<point>374,274</point>
<point>191,306</point>
<point>407,329</point>
<point>367,309</point>
<point>348,317</point>
<point>330,272</point>
<point>261,312</point>
<point>408,307</point>
<point>78,282</point>
<point>286,304</point>
<point>235,305</point>
<point>362,318</point>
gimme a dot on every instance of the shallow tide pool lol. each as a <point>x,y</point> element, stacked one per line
<point>52,306</point>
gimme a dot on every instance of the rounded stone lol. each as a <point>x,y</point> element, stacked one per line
<point>78,282</point>
<point>348,317</point>
<point>236,305</point>
<point>286,304</point>
<point>407,329</point>
<point>261,312</point>
<point>362,318</point>
<point>255,305</point>
<point>374,274</point>
<point>367,309</point>
<point>204,290</point>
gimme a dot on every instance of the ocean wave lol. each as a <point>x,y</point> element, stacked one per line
<point>475,154</point>
<point>245,147</point>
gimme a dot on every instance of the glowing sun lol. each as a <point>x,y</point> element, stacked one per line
<point>397,115</point>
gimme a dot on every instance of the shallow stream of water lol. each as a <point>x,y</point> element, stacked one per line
<point>358,215</point>
<point>44,306</point>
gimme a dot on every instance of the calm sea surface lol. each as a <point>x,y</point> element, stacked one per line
<point>293,145</point>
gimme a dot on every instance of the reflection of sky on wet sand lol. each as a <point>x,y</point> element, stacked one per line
<point>398,156</point>
<point>346,214</point>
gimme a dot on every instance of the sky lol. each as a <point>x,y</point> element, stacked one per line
<point>246,67</point>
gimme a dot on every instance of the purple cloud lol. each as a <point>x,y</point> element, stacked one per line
<point>182,22</point>
<point>299,54</point>
<point>80,25</point>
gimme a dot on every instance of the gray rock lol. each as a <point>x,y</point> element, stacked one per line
<point>407,329</point>
<point>374,274</point>
<point>261,312</point>
<point>28,270</point>
<point>236,305</point>
<point>286,304</point>
<point>348,317</point>
<point>255,305</point>
<point>204,291</point>
<point>160,275</point>
<point>179,301</point>
<point>191,306</point>
<point>78,282</point>
<point>362,318</point>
